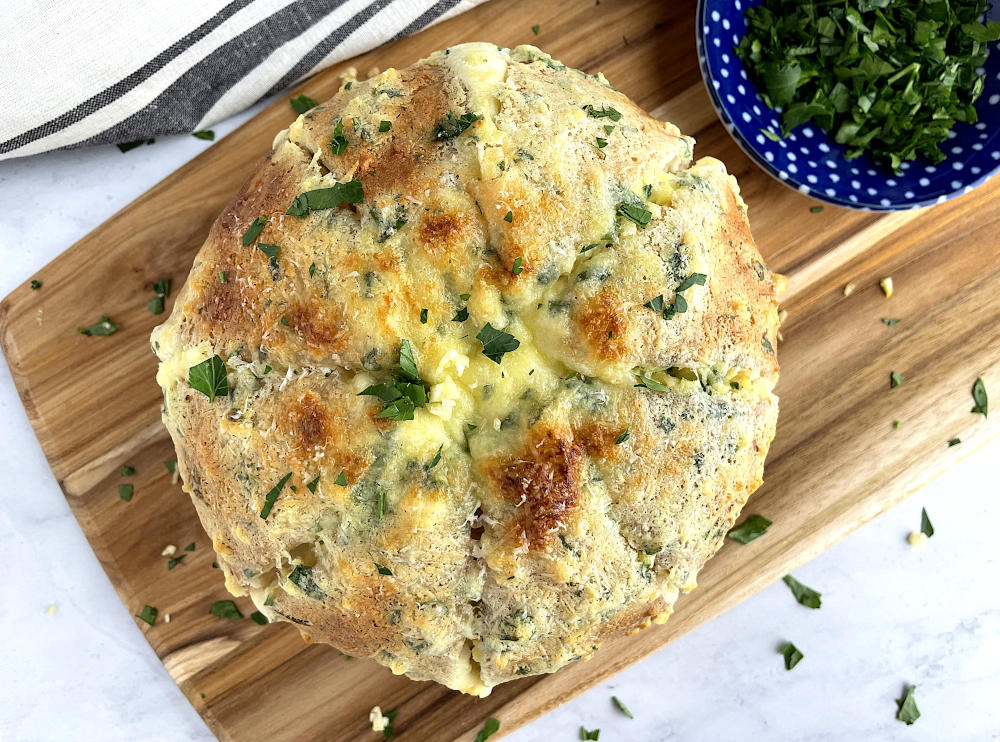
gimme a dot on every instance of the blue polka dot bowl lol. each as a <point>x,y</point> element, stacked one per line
<point>810,161</point>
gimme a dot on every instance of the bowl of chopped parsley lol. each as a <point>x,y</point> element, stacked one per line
<point>880,105</point>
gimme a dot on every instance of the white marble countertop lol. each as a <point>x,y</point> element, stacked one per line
<point>892,614</point>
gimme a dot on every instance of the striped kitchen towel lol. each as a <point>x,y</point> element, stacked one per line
<point>79,72</point>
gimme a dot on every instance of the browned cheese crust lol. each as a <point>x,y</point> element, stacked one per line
<point>542,498</point>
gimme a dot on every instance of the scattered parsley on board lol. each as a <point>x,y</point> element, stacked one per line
<point>752,528</point>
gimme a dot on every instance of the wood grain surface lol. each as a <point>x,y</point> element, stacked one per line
<point>836,462</point>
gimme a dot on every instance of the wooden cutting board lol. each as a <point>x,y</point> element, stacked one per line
<point>836,463</point>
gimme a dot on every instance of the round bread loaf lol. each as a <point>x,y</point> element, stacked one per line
<point>475,371</point>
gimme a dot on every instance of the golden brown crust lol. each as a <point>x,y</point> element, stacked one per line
<point>543,499</point>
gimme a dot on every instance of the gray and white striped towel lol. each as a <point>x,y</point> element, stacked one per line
<point>80,72</point>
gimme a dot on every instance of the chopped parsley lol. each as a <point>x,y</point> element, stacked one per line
<point>147,614</point>
<point>339,142</point>
<point>591,246</point>
<point>302,103</point>
<point>586,734</point>
<point>752,528</point>
<point>906,707</point>
<point>925,524</point>
<point>35,284</point>
<point>979,397</point>
<point>804,595</point>
<point>509,217</point>
<point>816,210</point>
<point>341,479</point>
<point>311,486</point>
<point>327,198</point>
<point>599,113</point>
<point>171,466</point>
<point>496,342</point>
<point>175,561</point>
<point>518,266</point>
<point>890,321</point>
<point>624,436</point>
<point>128,471</point>
<point>189,547</point>
<point>535,29</point>
<point>489,729</point>
<point>651,383</point>
<point>658,304</point>
<point>225,609</point>
<point>259,618</point>
<point>222,277</point>
<point>792,655</point>
<point>312,270</point>
<point>895,379</point>
<point>125,492</point>
<point>437,458</point>
<point>126,146</point>
<point>464,297</point>
<point>302,578</point>
<point>272,496</point>
<point>209,378</point>
<point>954,442</point>
<point>384,126</point>
<point>207,134</point>
<point>622,707</point>
<point>254,230</point>
<point>635,213</point>
<point>407,363</point>
<point>103,327</point>
<point>390,716</point>
<point>423,316</point>
<point>887,78</point>
<point>162,290</point>
<point>383,570</point>
<point>452,126</point>
<point>461,315</point>
<point>406,392</point>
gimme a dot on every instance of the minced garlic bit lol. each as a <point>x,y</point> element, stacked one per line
<point>168,550</point>
<point>886,284</point>
<point>379,722</point>
<point>51,610</point>
<point>916,538</point>
<point>166,618</point>
<point>849,288</point>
